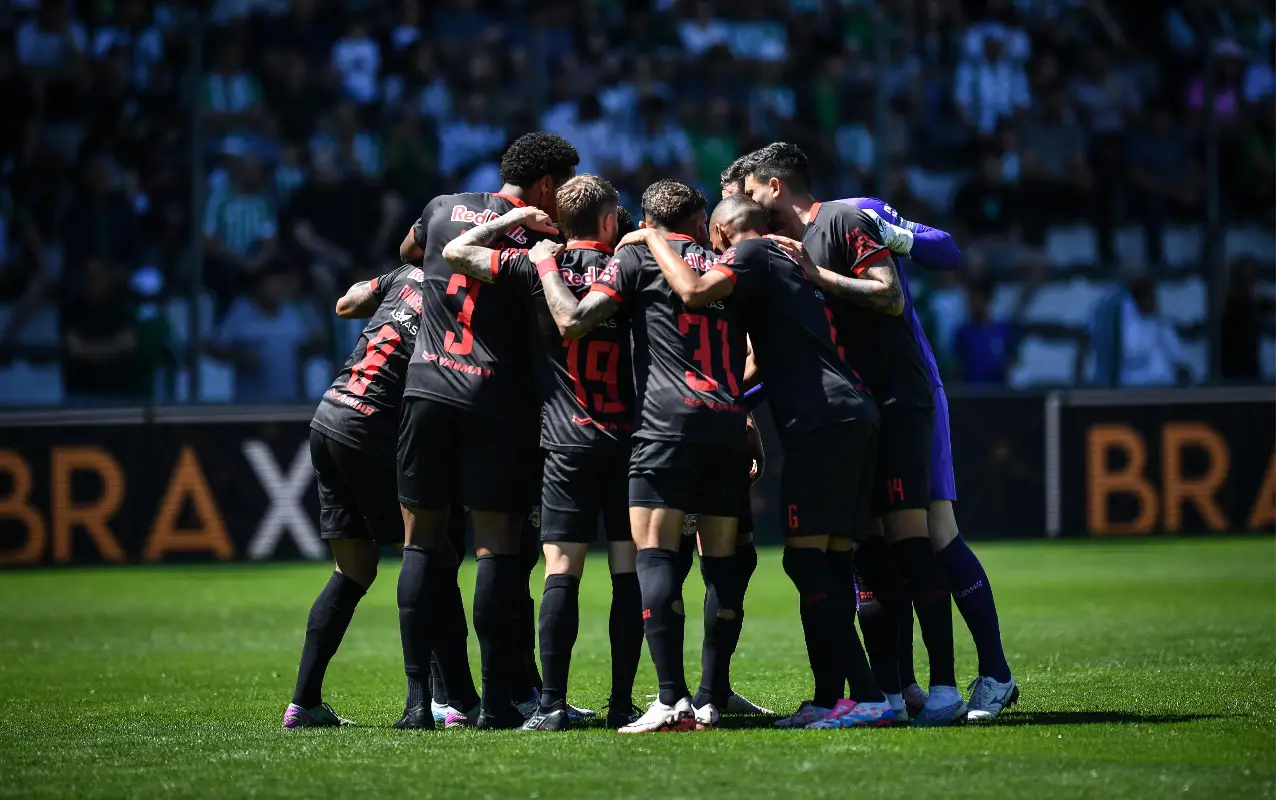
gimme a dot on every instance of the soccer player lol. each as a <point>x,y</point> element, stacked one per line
<point>828,429</point>
<point>468,433</point>
<point>841,247</point>
<point>995,688</point>
<point>588,389</point>
<point>352,439</point>
<point>690,446</point>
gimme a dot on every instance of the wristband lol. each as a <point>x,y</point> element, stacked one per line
<point>546,265</point>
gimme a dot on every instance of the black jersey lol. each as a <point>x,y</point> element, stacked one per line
<point>688,362</point>
<point>472,350</point>
<point>880,347</point>
<point>587,384</point>
<point>795,340</point>
<point>361,407</point>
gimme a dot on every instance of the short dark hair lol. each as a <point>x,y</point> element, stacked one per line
<point>625,224</point>
<point>534,155</point>
<point>784,161</point>
<point>581,201</point>
<point>736,172</point>
<point>669,203</point>
<point>742,213</point>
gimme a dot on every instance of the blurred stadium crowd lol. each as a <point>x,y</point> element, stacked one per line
<point>1061,141</point>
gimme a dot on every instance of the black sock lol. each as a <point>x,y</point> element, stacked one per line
<point>830,616</point>
<point>418,592</point>
<point>928,590</point>
<point>625,628</point>
<point>559,624</point>
<point>329,617</point>
<point>531,557</point>
<point>438,689</point>
<point>907,672</point>
<point>880,611</point>
<point>861,684</point>
<point>664,620</point>
<point>747,555</point>
<point>496,607</point>
<point>686,557</point>
<point>451,650</point>
<point>524,677</point>
<point>724,593</point>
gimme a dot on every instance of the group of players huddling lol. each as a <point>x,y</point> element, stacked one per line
<point>547,365</point>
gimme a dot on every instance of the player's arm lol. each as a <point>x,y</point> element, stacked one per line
<point>574,318</point>
<point>695,290</point>
<point>472,253</point>
<point>410,250</point>
<point>931,248</point>
<point>874,285</point>
<point>750,364</point>
<point>358,302</point>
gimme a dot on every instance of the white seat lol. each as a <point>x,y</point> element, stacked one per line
<point>179,320</point>
<point>1182,247</point>
<point>25,384</point>
<point>1044,362</point>
<point>1183,302</point>
<point>1131,246</point>
<point>319,374</point>
<point>1254,243</point>
<point>1072,246</point>
<point>216,381</point>
<point>1005,299</point>
<point>1065,302</point>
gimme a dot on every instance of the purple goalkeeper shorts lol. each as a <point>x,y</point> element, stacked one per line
<point>943,483</point>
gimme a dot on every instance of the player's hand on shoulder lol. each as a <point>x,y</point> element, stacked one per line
<point>636,238</point>
<point>533,219</point>
<point>796,251</point>
<point>544,249</point>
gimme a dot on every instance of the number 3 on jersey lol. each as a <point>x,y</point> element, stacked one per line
<point>470,286</point>
<point>704,355</point>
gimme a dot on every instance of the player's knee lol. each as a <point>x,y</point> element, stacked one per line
<point>907,524</point>
<point>803,566</point>
<point>356,559</point>
<point>565,559</point>
<point>942,524</point>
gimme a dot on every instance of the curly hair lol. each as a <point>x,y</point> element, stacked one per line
<point>534,155</point>
<point>581,201</point>
<point>625,224</point>
<point>735,173</point>
<point>784,161</point>
<point>668,203</point>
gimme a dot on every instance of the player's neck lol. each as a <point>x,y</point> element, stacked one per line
<point>740,236</point>
<point>510,190</point>
<point>802,206</point>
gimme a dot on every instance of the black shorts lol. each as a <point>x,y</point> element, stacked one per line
<point>827,480</point>
<point>356,492</point>
<point>744,524</point>
<point>903,460</point>
<point>452,455</point>
<point>578,488</point>
<point>687,476</point>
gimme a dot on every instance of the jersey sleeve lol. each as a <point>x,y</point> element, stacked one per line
<point>855,235</point>
<point>512,267</point>
<point>381,284</point>
<point>422,223</point>
<point>743,263</point>
<point>619,279</point>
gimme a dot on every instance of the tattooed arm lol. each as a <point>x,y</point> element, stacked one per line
<point>359,302</point>
<point>575,318</point>
<point>877,288</point>
<point>472,254</point>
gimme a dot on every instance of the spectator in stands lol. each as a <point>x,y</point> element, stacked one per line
<point>1164,177</point>
<point>357,59</point>
<point>232,95</point>
<point>1056,176</point>
<point>100,345</point>
<point>984,347</point>
<point>1105,99</point>
<point>100,221</point>
<point>1242,324</point>
<point>240,231</point>
<point>1133,346</point>
<point>986,208</point>
<point>267,338</point>
<point>991,85</point>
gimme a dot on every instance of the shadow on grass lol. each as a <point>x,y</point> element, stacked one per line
<point>1013,718</point>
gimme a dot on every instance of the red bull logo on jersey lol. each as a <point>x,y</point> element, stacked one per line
<point>467,215</point>
<point>586,278</point>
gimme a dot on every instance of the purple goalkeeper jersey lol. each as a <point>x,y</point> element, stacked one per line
<point>932,249</point>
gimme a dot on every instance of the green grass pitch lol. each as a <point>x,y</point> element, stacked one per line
<point>1148,670</point>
